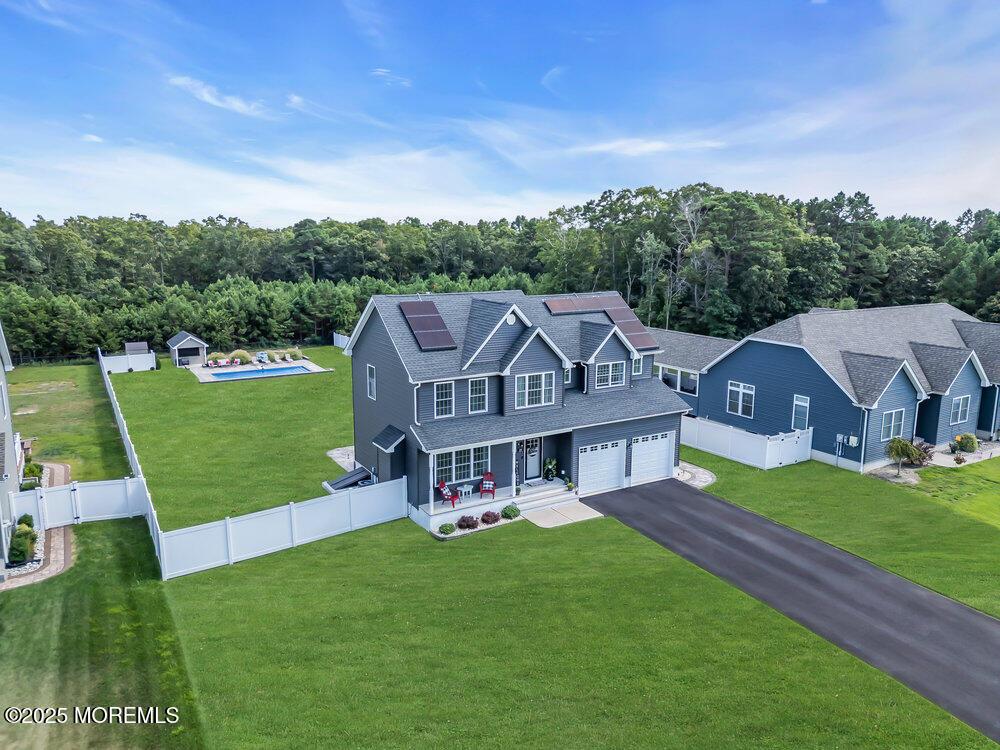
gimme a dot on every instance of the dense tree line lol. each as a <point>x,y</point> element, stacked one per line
<point>697,258</point>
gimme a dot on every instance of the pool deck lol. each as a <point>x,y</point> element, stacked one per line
<point>204,374</point>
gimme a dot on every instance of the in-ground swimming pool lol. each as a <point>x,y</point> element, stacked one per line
<point>265,373</point>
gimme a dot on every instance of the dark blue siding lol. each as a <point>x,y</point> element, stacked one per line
<point>537,357</point>
<point>779,373</point>
<point>900,394</point>
<point>612,351</point>
<point>934,424</point>
<point>394,393</point>
<point>425,398</point>
<point>988,411</point>
<point>624,431</point>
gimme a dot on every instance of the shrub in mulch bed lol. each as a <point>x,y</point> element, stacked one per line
<point>510,512</point>
<point>446,529</point>
<point>22,544</point>
<point>468,522</point>
<point>490,517</point>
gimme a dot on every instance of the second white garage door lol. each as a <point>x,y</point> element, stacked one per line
<point>602,466</point>
<point>653,457</point>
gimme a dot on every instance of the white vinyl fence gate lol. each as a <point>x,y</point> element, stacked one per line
<point>762,451</point>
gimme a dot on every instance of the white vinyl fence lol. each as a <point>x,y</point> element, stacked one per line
<point>340,340</point>
<point>126,362</point>
<point>76,502</point>
<point>762,451</point>
<point>211,545</point>
<point>230,540</point>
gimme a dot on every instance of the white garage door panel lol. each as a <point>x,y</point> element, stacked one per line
<point>602,466</point>
<point>652,457</point>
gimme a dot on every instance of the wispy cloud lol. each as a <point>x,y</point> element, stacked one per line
<point>322,112</point>
<point>91,138</point>
<point>390,79</point>
<point>368,18</point>
<point>40,11</point>
<point>552,77</point>
<point>210,95</point>
<point>644,146</point>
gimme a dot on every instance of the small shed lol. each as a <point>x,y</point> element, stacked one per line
<point>187,349</point>
<point>136,347</point>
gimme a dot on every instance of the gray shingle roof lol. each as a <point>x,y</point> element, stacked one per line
<point>136,347</point>
<point>484,314</point>
<point>870,374</point>
<point>940,364</point>
<point>985,339</point>
<point>175,340</point>
<point>690,351</point>
<point>887,332</point>
<point>515,348</point>
<point>388,438</point>
<point>647,398</point>
<point>592,335</point>
<point>456,311</point>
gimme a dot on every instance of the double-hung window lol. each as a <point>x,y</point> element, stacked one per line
<point>478,389</point>
<point>960,409</point>
<point>740,401</point>
<point>536,389</point>
<point>677,379</point>
<point>444,400</point>
<point>567,376</point>
<point>637,366</point>
<point>892,424</point>
<point>371,382</point>
<point>461,465</point>
<point>610,374</point>
<point>800,412</point>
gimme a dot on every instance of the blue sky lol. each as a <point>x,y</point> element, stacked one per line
<point>279,111</point>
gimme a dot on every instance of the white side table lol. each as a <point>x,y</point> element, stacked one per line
<point>465,491</point>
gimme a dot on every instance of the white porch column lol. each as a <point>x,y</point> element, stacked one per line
<point>430,471</point>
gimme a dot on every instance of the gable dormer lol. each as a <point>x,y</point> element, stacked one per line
<point>492,329</point>
<point>608,356</point>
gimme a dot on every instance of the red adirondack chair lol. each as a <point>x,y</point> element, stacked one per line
<point>488,486</point>
<point>447,494</point>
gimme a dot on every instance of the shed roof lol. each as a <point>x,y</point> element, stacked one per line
<point>174,341</point>
<point>388,438</point>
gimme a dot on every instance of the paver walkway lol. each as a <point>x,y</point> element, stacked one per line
<point>942,649</point>
<point>58,558</point>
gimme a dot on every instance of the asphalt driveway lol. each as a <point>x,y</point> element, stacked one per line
<point>940,648</point>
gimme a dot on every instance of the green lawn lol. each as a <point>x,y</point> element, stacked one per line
<point>587,635</point>
<point>211,450</point>
<point>899,528</point>
<point>100,634</point>
<point>973,489</point>
<point>67,409</point>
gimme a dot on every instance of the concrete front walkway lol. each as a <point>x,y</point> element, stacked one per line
<point>942,649</point>
<point>560,515</point>
<point>986,451</point>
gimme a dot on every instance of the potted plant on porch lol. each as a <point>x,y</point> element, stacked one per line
<point>549,469</point>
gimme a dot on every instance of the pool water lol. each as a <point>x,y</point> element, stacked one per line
<point>268,373</point>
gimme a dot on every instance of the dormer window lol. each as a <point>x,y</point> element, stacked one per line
<point>610,374</point>
<point>637,366</point>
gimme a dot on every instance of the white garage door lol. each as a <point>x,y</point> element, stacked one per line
<point>602,466</point>
<point>652,457</point>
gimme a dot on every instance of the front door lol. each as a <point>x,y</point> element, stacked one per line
<point>532,458</point>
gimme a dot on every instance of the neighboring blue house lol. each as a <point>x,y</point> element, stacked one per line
<point>448,387</point>
<point>683,356</point>
<point>859,378</point>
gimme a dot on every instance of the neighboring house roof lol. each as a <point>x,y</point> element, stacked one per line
<point>180,338</point>
<point>136,347</point>
<point>870,374</point>
<point>388,438</point>
<point>985,339</point>
<point>646,398</point>
<point>689,351</point>
<point>882,332</point>
<point>466,315</point>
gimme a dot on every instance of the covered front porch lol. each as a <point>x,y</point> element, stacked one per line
<point>526,470</point>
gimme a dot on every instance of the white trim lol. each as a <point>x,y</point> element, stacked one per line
<point>560,431</point>
<point>567,375</point>
<point>512,309</point>
<point>392,447</point>
<point>362,322</point>
<point>836,382</point>
<point>527,375</point>
<point>905,367</point>
<point>695,373</point>
<point>416,415</point>
<point>435,403</point>
<point>420,442</point>
<point>983,380</point>
<point>996,408</point>
<point>741,389</point>
<point>902,424</point>
<point>639,361</point>
<point>201,343</point>
<point>371,381</point>
<point>472,463</point>
<point>486,395</point>
<point>621,337</point>
<point>967,398</point>
<point>795,403</point>
<point>566,362</point>
<point>597,374</point>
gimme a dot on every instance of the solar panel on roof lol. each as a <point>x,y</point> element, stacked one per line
<point>629,327</point>
<point>427,325</point>
<point>641,340</point>
<point>591,304</point>
<point>561,305</point>
<point>621,314</point>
